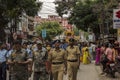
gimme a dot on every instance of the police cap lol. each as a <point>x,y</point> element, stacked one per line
<point>57,41</point>
<point>71,40</point>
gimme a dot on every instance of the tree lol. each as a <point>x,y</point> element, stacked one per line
<point>52,28</point>
<point>64,6</point>
<point>11,10</point>
<point>105,14</point>
<point>83,16</point>
<point>94,14</point>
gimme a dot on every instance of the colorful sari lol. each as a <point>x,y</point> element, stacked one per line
<point>98,53</point>
<point>86,56</point>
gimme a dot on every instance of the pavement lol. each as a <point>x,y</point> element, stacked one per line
<point>87,72</point>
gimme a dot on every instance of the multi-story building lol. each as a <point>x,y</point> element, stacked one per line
<point>68,28</point>
<point>62,21</point>
<point>21,30</point>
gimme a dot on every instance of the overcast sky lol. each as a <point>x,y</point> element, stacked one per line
<point>48,8</point>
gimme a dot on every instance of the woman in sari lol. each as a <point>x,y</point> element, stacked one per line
<point>98,54</point>
<point>86,55</point>
<point>82,51</point>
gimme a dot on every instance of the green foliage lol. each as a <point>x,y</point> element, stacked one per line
<point>90,14</point>
<point>83,16</point>
<point>12,9</point>
<point>76,31</point>
<point>105,13</point>
<point>30,7</point>
<point>53,29</point>
<point>64,6</point>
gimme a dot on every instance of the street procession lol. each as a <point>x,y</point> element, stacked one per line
<point>60,40</point>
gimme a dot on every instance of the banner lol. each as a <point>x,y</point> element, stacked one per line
<point>43,33</point>
<point>116,18</point>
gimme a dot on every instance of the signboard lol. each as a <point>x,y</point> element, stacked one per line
<point>116,18</point>
<point>91,37</point>
<point>43,33</point>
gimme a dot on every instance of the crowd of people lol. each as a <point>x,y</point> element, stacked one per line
<point>45,60</point>
<point>103,54</point>
<point>51,60</point>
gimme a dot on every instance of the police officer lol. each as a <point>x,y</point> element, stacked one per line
<point>25,47</point>
<point>40,58</point>
<point>25,44</point>
<point>57,57</point>
<point>3,53</point>
<point>18,62</point>
<point>73,56</point>
<point>64,44</point>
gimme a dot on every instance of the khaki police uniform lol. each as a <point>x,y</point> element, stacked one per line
<point>57,58</point>
<point>72,62</point>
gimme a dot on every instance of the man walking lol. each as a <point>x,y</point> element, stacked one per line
<point>93,50</point>
<point>57,57</point>
<point>40,57</point>
<point>3,53</point>
<point>73,60</point>
<point>18,62</point>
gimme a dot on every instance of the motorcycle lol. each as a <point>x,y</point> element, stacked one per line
<point>117,64</point>
<point>111,69</point>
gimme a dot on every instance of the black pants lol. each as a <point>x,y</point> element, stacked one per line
<point>51,77</point>
<point>94,55</point>
<point>3,71</point>
<point>104,62</point>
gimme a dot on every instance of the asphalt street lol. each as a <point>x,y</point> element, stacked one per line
<point>90,72</point>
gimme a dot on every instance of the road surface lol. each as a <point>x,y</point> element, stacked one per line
<point>90,72</point>
<point>87,72</point>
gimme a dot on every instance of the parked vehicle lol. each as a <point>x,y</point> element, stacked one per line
<point>117,64</point>
<point>111,69</point>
